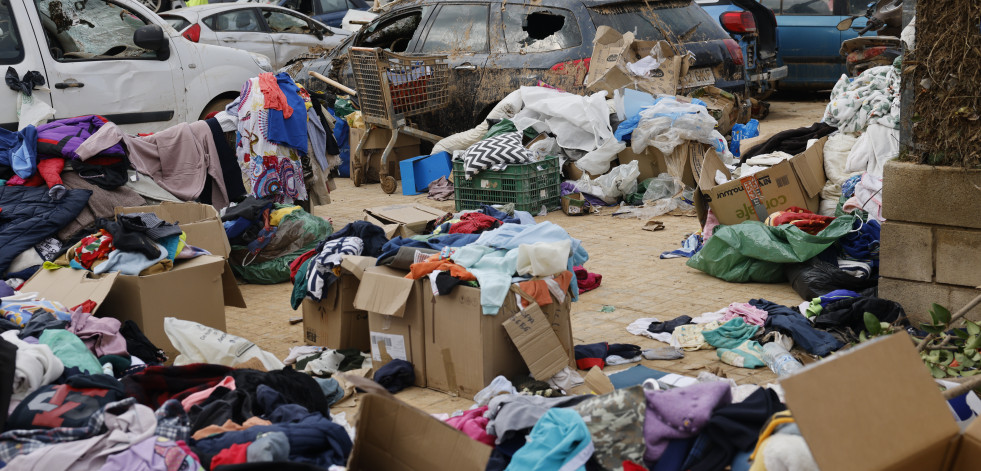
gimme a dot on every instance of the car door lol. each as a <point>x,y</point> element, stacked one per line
<point>540,43</point>
<point>242,29</point>
<point>809,41</point>
<point>331,12</point>
<point>93,66</point>
<point>460,32</point>
<point>291,35</point>
<point>19,49</point>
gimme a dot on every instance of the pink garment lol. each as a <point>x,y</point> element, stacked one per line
<point>179,159</point>
<point>751,314</point>
<point>100,334</point>
<point>200,396</point>
<point>274,97</point>
<point>710,223</point>
<point>474,424</point>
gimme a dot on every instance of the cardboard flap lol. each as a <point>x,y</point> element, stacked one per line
<point>395,436</point>
<point>598,382</point>
<point>229,287</point>
<point>413,216</point>
<point>705,167</point>
<point>201,222</point>
<point>809,166</point>
<point>877,396</point>
<point>538,344</point>
<point>71,287</point>
<point>356,265</point>
<point>383,291</point>
<point>969,453</point>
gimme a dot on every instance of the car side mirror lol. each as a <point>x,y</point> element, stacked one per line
<point>151,37</point>
<point>846,23</point>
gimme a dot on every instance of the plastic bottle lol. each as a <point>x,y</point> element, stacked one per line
<point>779,359</point>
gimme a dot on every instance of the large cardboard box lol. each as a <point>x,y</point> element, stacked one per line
<point>795,182</point>
<point>396,321</point>
<point>334,322</point>
<point>466,349</point>
<point>403,220</point>
<point>722,105</point>
<point>876,407</point>
<point>611,53</point>
<point>395,436</point>
<point>197,289</point>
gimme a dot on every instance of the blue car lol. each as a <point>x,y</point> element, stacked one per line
<point>754,27</point>
<point>809,38</point>
<point>328,12</point>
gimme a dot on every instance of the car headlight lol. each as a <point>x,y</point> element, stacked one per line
<point>262,61</point>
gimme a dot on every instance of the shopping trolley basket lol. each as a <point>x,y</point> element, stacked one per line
<point>392,87</point>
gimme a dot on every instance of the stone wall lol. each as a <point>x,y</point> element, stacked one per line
<point>931,240</point>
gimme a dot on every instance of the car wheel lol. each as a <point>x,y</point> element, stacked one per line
<point>216,105</point>
<point>154,5</point>
<point>357,176</point>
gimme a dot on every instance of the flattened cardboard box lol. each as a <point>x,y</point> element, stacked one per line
<point>876,407</point>
<point>611,53</point>
<point>795,182</point>
<point>466,349</point>
<point>334,322</point>
<point>396,322</point>
<point>395,436</point>
<point>197,289</point>
<point>403,220</point>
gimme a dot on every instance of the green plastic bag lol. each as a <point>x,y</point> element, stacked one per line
<point>505,126</point>
<point>754,252</point>
<point>343,107</point>
<point>299,232</point>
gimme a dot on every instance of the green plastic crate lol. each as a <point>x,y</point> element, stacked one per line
<point>528,186</point>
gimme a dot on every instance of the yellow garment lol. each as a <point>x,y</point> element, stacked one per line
<point>780,418</point>
<point>689,336</point>
<point>196,3</point>
<point>276,216</point>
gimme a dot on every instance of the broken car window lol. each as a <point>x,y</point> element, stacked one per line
<point>92,29</point>
<point>11,51</point>
<point>458,28</point>
<point>280,22</point>
<point>394,34</point>
<point>534,29</point>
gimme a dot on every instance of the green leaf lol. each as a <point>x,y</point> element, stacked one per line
<point>862,337</point>
<point>946,358</point>
<point>933,356</point>
<point>970,372</point>
<point>976,356</point>
<point>960,357</point>
<point>872,324</point>
<point>961,333</point>
<point>973,343</point>
<point>937,372</point>
<point>939,312</point>
<point>931,329</point>
<point>973,328</point>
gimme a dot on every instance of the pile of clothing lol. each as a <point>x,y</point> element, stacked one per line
<point>81,392</point>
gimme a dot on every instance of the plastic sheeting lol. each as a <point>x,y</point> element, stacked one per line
<point>754,252</point>
<point>669,123</point>
<point>506,108</point>
<point>610,187</point>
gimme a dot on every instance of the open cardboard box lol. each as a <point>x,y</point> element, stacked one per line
<point>396,322</point>
<point>465,349</point>
<point>395,436</point>
<point>403,220</point>
<point>334,322</point>
<point>795,182</point>
<point>611,53</point>
<point>197,289</point>
<point>876,407</point>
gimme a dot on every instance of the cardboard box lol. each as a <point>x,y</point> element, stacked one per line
<point>876,407</point>
<point>396,321</point>
<point>403,220</point>
<point>574,204</point>
<point>395,436</point>
<point>465,349</point>
<point>197,289</point>
<point>334,322</point>
<point>795,182</point>
<point>573,172</point>
<point>653,162</point>
<point>611,53</point>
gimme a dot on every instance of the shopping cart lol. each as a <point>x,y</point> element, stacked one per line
<point>392,87</point>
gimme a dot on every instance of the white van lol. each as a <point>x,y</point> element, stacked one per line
<point>117,59</point>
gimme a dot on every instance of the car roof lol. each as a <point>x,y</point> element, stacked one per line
<point>588,3</point>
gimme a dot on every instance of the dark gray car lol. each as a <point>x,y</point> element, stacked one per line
<point>495,47</point>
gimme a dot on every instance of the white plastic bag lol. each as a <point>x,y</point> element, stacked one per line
<point>202,344</point>
<point>598,161</point>
<point>32,110</point>
<point>669,123</point>
<point>622,180</point>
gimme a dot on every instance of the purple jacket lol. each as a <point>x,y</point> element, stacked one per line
<point>62,137</point>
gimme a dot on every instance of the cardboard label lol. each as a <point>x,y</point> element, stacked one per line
<point>394,345</point>
<point>751,187</point>
<point>538,344</point>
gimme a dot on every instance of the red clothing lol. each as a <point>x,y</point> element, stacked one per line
<point>235,454</point>
<point>272,96</point>
<point>295,264</point>
<point>806,220</point>
<point>587,281</point>
<point>472,223</point>
<point>435,263</point>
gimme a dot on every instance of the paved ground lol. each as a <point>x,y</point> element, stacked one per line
<point>635,281</point>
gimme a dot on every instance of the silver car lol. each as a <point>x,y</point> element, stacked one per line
<point>276,32</point>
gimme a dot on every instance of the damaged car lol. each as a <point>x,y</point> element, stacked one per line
<point>275,32</point>
<point>495,47</point>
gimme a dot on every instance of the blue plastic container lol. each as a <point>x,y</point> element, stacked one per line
<point>418,172</point>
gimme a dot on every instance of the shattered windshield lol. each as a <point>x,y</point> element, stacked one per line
<point>90,29</point>
<point>11,51</point>
<point>536,29</point>
<point>672,21</point>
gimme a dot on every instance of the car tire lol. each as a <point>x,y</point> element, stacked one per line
<point>217,104</point>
